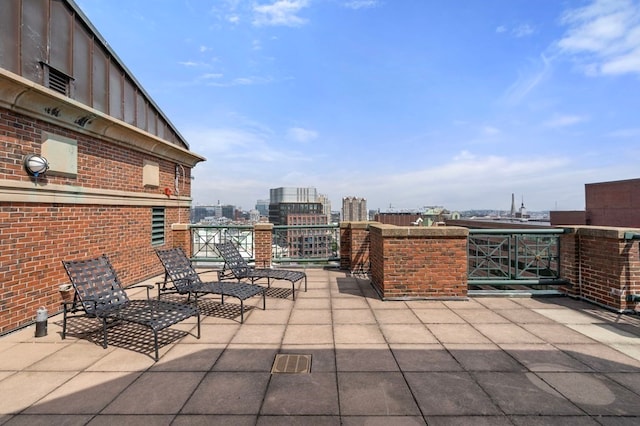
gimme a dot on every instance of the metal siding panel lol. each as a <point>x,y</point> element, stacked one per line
<point>99,86</point>
<point>82,64</point>
<point>129,102</point>
<point>141,111</point>
<point>34,39</point>
<point>60,41</point>
<point>115,91</point>
<point>10,35</point>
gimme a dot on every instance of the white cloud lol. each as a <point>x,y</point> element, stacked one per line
<point>528,80</point>
<point>362,4</point>
<point>565,120</point>
<point>280,13</point>
<point>490,130</point>
<point>523,30</point>
<point>604,37</point>
<point>299,134</point>
<point>501,29</point>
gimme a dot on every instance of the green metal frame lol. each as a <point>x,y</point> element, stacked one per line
<point>504,258</point>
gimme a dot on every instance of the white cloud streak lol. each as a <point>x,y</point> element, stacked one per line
<point>280,13</point>
<point>604,37</point>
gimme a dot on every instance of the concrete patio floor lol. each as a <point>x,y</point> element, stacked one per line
<point>486,361</point>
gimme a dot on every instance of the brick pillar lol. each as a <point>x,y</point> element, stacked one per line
<point>569,261</point>
<point>360,242</point>
<point>262,240</point>
<point>181,237</point>
<point>345,245</point>
<point>607,266</point>
<point>419,262</point>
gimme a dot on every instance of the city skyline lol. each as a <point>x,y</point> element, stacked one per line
<point>404,103</point>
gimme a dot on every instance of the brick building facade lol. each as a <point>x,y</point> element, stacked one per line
<point>114,159</point>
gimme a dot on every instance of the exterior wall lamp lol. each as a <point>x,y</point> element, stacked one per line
<point>36,165</point>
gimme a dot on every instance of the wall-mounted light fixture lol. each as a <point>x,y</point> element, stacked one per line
<point>36,165</point>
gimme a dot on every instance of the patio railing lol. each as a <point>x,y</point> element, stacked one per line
<point>290,244</point>
<point>509,258</point>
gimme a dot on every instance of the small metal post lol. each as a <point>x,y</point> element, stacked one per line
<point>41,322</point>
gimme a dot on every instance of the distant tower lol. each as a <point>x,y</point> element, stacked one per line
<point>354,209</point>
<point>513,205</point>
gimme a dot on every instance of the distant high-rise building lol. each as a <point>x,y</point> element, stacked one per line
<point>287,200</point>
<point>354,209</point>
<point>262,206</point>
<point>293,195</point>
<point>326,206</point>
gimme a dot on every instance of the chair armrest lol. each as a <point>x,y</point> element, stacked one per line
<point>147,286</point>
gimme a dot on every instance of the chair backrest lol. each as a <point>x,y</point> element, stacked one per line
<point>178,268</point>
<point>233,260</point>
<point>96,284</point>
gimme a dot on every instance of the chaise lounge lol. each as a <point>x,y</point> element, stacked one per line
<point>99,294</point>
<point>236,267</point>
<point>181,277</point>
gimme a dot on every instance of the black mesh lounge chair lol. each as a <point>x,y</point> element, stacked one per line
<point>235,266</point>
<point>99,294</point>
<point>181,277</point>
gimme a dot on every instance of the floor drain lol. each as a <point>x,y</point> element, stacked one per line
<point>293,364</point>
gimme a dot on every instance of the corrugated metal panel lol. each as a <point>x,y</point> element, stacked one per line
<point>9,34</point>
<point>60,42</point>
<point>129,102</point>
<point>141,112</point>
<point>82,64</point>
<point>100,81</point>
<point>35,16</point>
<point>115,91</point>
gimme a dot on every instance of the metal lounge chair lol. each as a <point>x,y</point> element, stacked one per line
<point>99,294</point>
<point>235,266</point>
<point>181,277</point>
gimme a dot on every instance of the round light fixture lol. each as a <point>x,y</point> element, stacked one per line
<point>36,165</point>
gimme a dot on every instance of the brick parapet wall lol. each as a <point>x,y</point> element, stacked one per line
<point>419,262</point>
<point>354,246</point>
<point>345,246</point>
<point>605,267</point>
<point>263,240</point>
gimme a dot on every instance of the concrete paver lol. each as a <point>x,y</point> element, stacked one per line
<point>483,361</point>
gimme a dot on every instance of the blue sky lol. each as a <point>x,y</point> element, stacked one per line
<point>408,103</point>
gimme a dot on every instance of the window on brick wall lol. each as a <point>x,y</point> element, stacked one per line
<point>157,226</point>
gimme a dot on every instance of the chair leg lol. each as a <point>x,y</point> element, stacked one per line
<point>305,283</point>
<point>293,290</point>
<point>155,343</point>
<point>241,311</point>
<point>198,319</point>
<point>264,299</point>
<point>104,333</point>
<point>64,322</point>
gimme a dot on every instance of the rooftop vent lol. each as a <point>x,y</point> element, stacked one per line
<point>57,80</point>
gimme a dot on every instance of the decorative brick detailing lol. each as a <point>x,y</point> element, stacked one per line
<point>419,262</point>
<point>603,267</point>
<point>262,240</point>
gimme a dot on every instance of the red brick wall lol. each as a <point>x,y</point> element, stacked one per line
<point>354,246</point>
<point>345,246</point>
<point>36,236</point>
<point>603,267</point>
<point>613,203</point>
<point>263,239</point>
<point>424,262</point>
